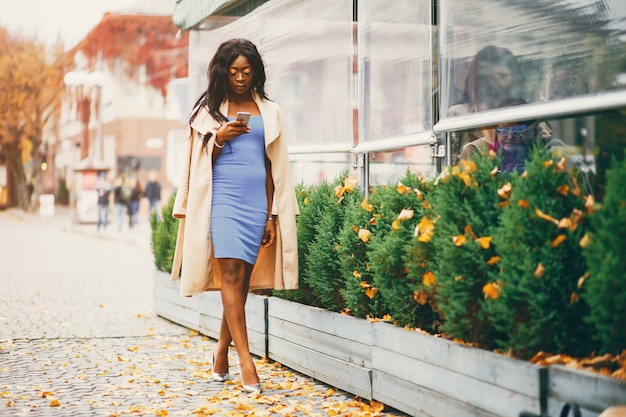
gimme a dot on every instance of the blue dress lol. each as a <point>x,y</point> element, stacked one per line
<point>239,203</point>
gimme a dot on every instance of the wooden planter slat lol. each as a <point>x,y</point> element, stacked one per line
<point>169,304</point>
<point>256,312</point>
<point>513,374</point>
<point>416,400</point>
<point>328,346</point>
<point>337,347</point>
<point>592,394</point>
<point>337,373</point>
<point>210,314</point>
<point>322,320</point>
<point>211,310</point>
<point>455,385</point>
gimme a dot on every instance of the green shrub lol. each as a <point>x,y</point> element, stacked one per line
<point>466,210</point>
<point>305,227</point>
<point>358,292</point>
<point>397,210</point>
<point>538,305</point>
<point>322,269</point>
<point>605,289</point>
<point>163,236</point>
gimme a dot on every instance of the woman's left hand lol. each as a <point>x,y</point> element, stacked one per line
<point>270,234</point>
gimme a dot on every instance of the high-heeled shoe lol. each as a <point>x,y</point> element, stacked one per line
<point>252,388</point>
<point>215,376</point>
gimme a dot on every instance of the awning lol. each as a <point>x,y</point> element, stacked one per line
<point>189,13</point>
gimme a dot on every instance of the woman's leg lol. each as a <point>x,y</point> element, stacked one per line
<point>235,284</point>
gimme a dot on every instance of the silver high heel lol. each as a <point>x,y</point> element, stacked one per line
<point>215,376</point>
<point>254,388</point>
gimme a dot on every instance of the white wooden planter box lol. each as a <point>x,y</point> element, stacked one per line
<point>416,373</point>
<point>169,304</point>
<point>426,375</point>
<point>593,393</point>
<point>330,347</point>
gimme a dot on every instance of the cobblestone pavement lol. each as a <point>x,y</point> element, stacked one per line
<point>79,336</point>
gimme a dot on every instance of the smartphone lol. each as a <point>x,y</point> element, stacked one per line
<point>245,116</point>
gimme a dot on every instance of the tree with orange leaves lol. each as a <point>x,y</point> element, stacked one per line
<point>31,81</point>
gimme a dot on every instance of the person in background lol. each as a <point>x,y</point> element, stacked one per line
<point>153,194</point>
<point>133,204</point>
<point>493,75</point>
<point>104,190</point>
<point>120,201</point>
<point>236,204</point>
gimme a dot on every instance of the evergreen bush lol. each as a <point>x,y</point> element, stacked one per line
<point>322,269</point>
<point>163,237</point>
<point>466,210</point>
<point>605,289</point>
<point>305,229</point>
<point>397,211</point>
<point>538,306</point>
<point>359,293</point>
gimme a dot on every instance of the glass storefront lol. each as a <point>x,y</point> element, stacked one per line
<point>383,86</point>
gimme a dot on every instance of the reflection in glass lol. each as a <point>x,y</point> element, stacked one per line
<point>395,67</point>
<point>307,49</point>
<point>386,168</point>
<point>563,48</point>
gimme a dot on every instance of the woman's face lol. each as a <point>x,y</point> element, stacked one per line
<point>240,76</point>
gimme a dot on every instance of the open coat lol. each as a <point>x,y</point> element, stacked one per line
<point>277,265</point>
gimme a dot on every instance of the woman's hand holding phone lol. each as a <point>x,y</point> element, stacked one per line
<point>232,129</point>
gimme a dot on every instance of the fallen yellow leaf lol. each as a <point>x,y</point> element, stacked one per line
<point>364,235</point>
<point>491,290</point>
<point>429,279</point>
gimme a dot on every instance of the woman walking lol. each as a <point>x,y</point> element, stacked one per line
<point>236,202</point>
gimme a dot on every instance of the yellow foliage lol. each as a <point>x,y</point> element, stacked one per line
<point>429,279</point>
<point>364,235</point>
<point>491,290</point>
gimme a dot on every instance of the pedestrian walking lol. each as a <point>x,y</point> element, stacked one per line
<point>153,194</point>
<point>237,190</point>
<point>104,190</point>
<point>133,204</point>
<point>121,197</point>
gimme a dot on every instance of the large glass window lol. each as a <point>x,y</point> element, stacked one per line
<point>395,68</point>
<point>496,54</point>
<point>307,48</point>
<point>534,50</point>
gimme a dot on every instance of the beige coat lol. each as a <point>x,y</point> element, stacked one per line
<point>277,265</point>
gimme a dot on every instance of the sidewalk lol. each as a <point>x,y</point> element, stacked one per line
<point>79,336</point>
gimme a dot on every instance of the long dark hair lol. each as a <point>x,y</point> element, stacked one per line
<point>478,88</point>
<point>217,74</point>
